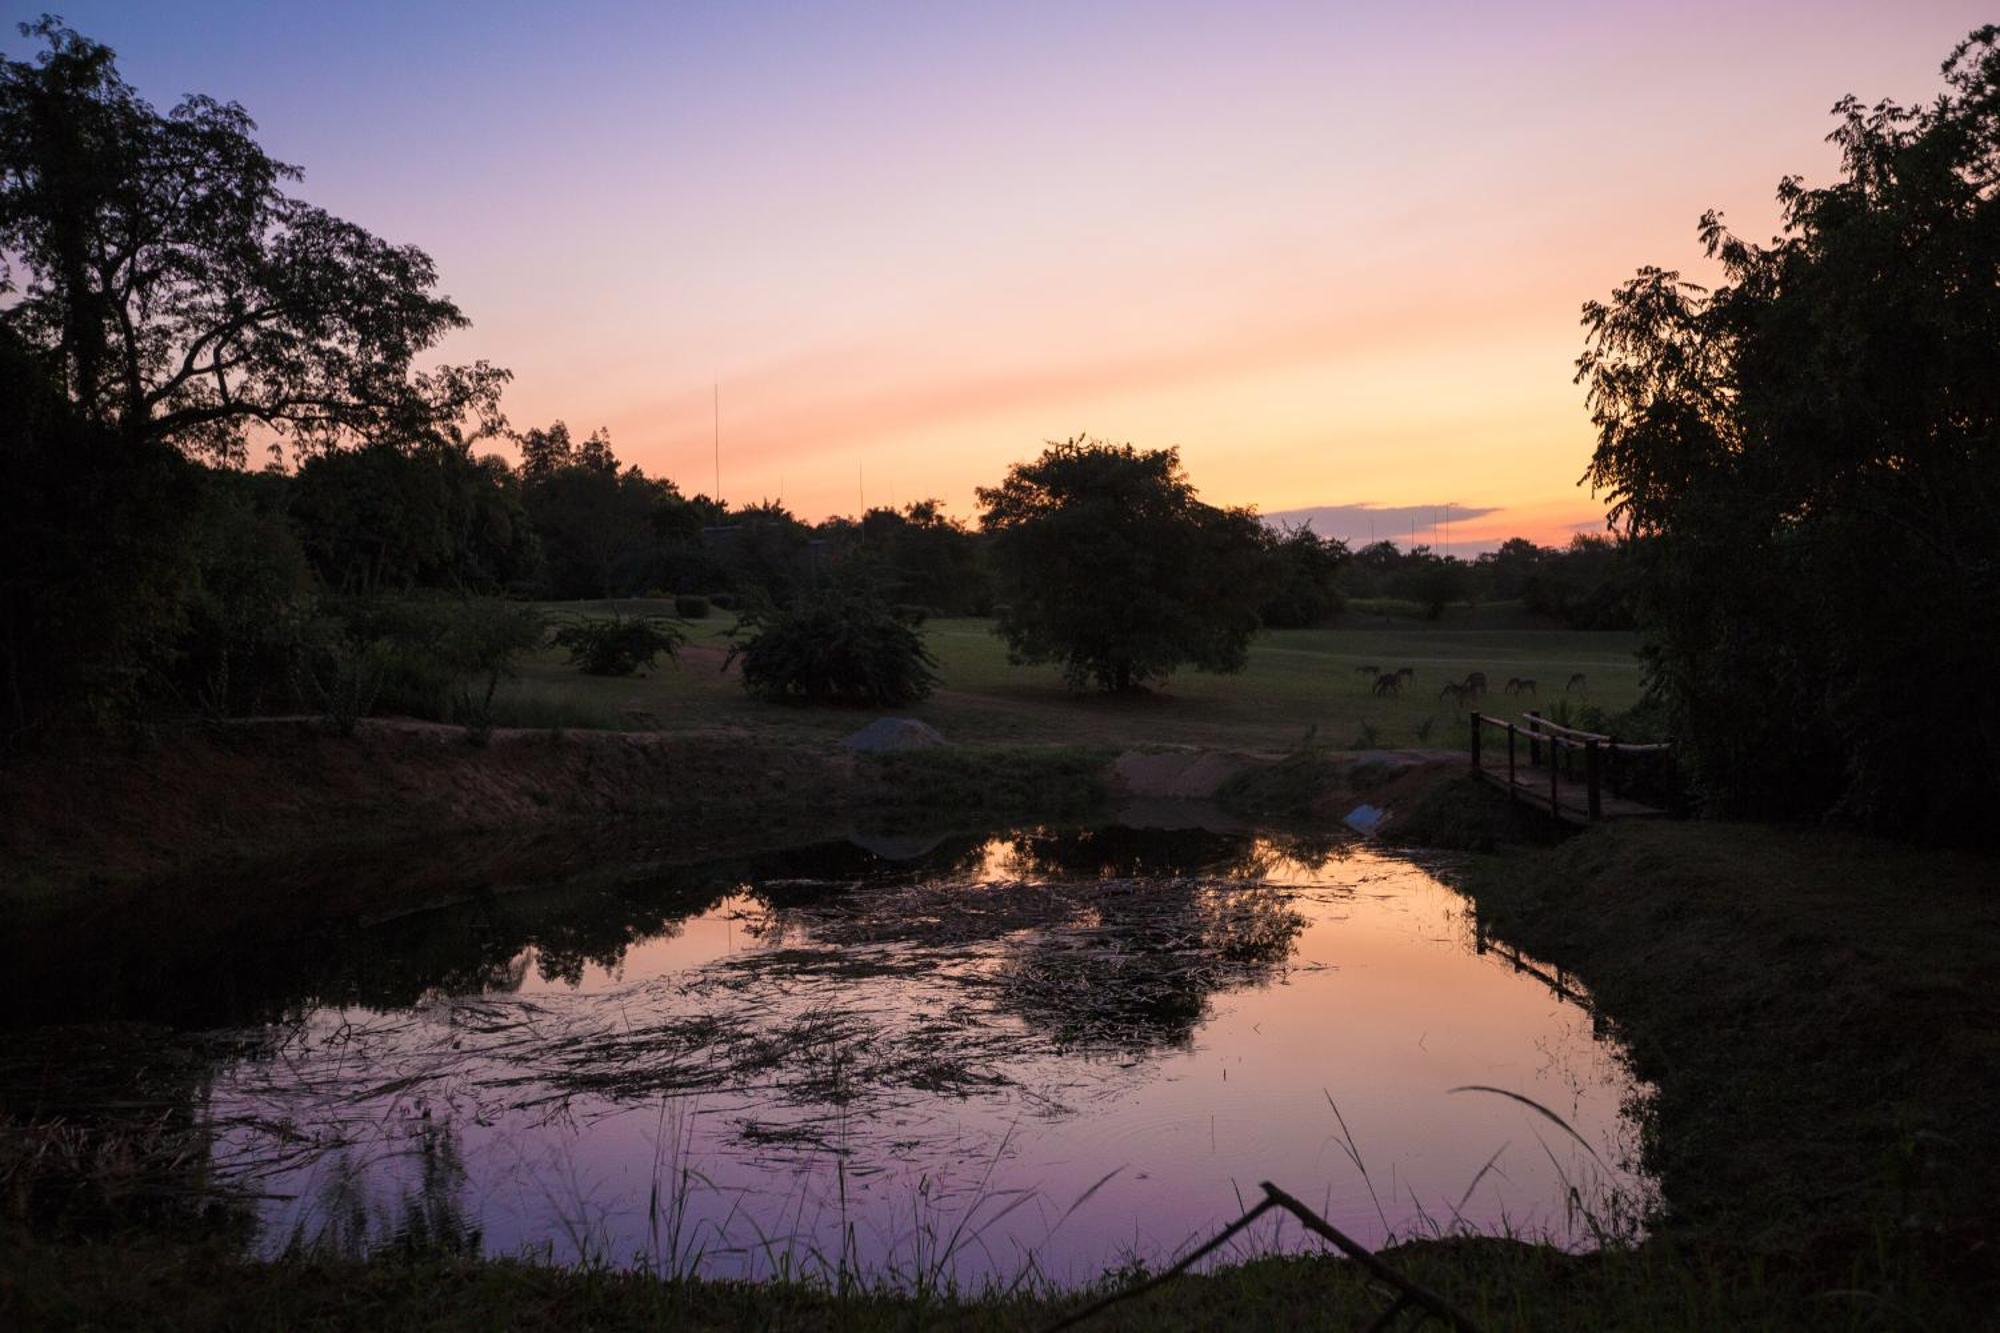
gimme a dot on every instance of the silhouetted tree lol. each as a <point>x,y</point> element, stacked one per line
<point>183,296</point>
<point>925,558</point>
<point>1815,447</point>
<point>382,518</point>
<point>1107,564</point>
<point>1306,577</point>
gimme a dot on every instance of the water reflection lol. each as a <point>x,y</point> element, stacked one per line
<point>864,1048</point>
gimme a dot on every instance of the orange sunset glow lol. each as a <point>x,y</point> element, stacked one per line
<point>1333,252</point>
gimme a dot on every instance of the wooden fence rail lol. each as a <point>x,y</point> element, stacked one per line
<point>1584,797</point>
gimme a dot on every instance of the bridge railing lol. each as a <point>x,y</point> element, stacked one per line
<point>1604,760</point>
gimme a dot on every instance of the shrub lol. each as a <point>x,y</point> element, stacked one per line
<point>620,645</point>
<point>835,645</point>
<point>691,606</point>
<point>724,601</point>
<point>431,657</point>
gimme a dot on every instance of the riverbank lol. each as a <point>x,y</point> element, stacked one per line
<point>1820,1012</point>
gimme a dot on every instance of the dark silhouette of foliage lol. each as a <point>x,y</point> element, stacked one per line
<point>382,518</point>
<point>1306,572</point>
<point>619,645</point>
<point>98,548</point>
<point>607,530</point>
<point>926,558</point>
<point>184,297</point>
<point>1107,564</point>
<point>1814,447</point>
<point>837,643</point>
<point>426,655</point>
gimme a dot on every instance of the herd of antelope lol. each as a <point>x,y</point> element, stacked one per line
<point>1469,690</point>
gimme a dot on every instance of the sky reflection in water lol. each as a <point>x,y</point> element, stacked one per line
<point>918,1074</point>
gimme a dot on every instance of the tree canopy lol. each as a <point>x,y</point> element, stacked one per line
<point>183,296</point>
<point>1814,446</point>
<point>1108,564</point>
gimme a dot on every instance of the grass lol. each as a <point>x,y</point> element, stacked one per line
<point>1295,679</point>
<point>1819,1012</point>
<point>1501,1284</point>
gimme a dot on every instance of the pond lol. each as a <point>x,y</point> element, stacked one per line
<point>1035,1055</point>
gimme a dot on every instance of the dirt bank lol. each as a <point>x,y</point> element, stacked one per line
<point>200,798</point>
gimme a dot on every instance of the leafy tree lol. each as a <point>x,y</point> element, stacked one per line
<point>1814,447</point>
<point>1434,581</point>
<point>604,531</point>
<point>768,553</point>
<point>1587,585</point>
<point>835,643</point>
<point>183,296</point>
<point>1109,565</point>
<point>1306,574</point>
<point>382,518</point>
<point>249,603</point>
<point>1507,570</point>
<point>926,558</point>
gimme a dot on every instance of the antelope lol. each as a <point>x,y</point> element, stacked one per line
<point>1520,685</point>
<point>1577,682</point>
<point>1388,683</point>
<point>1455,692</point>
<point>1475,684</point>
<point>1406,673</point>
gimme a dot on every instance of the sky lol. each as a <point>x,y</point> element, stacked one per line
<point>1334,253</point>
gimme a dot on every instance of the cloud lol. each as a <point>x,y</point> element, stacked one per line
<point>1358,524</point>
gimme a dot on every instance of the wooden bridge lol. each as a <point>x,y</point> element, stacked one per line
<point>1580,776</point>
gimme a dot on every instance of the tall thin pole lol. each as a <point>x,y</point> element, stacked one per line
<point>717,386</point>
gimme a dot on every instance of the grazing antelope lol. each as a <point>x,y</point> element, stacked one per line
<point>1406,673</point>
<point>1455,692</point>
<point>1388,683</point>
<point>1577,682</point>
<point>1475,684</point>
<point>1520,685</point>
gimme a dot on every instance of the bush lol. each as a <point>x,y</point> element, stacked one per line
<point>723,601</point>
<point>690,606</point>
<point>430,657</point>
<point>835,645</point>
<point>620,645</point>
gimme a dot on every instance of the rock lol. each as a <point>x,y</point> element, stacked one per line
<point>894,733</point>
<point>1364,818</point>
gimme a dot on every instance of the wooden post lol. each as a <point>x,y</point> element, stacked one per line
<point>1555,779</point>
<point>1611,765</point>
<point>1534,741</point>
<point>1475,740</point>
<point>1591,778</point>
<point>1510,761</point>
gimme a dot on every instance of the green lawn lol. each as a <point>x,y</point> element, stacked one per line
<point>1296,679</point>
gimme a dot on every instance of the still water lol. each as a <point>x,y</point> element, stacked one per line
<point>1039,1053</point>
